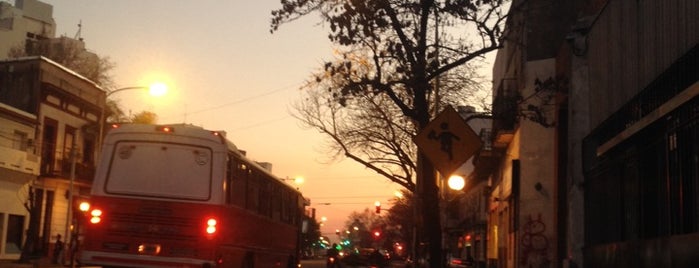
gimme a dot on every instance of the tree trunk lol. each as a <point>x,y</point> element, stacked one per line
<point>30,243</point>
<point>431,227</point>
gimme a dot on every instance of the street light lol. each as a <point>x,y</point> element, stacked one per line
<point>456,182</point>
<point>298,180</point>
<point>155,89</point>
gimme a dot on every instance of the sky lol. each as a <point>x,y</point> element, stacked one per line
<point>226,71</point>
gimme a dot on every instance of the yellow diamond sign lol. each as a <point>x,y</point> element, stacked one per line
<point>448,141</point>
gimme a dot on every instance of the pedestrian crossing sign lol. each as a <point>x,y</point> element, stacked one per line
<point>448,141</point>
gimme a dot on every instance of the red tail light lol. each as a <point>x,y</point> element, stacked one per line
<point>166,129</point>
<point>95,216</point>
<point>211,226</point>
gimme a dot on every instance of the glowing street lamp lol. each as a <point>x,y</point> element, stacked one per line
<point>456,182</point>
<point>155,89</point>
<point>298,180</point>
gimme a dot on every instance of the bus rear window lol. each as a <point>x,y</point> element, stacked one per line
<point>160,170</point>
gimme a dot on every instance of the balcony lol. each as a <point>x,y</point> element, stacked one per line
<point>19,160</point>
<point>486,159</point>
<point>83,171</point>
<point>505,109</point>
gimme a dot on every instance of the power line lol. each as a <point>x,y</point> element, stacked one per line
<point>242,100</point>
<point>260,123</point>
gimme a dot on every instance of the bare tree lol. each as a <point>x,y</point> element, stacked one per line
<point>405,55</point>
<point>372,131</point>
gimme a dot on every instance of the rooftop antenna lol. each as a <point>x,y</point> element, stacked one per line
<point>80,27</point>
<point>185,114</point>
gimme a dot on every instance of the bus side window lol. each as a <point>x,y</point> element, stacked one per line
<point>253,192</point>
<point>276,202</point>
<point>238,183</point>
<point>229,180</point>
<point>264,196</point>
<point>285,205</point>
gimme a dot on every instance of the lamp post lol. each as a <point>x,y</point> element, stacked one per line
<point>156,89</point>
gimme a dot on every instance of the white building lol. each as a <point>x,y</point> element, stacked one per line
<point>26,23</point>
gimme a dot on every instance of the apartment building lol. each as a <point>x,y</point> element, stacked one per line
<point>25,24</point>
<point>19,166</point>
<point>52,116</point>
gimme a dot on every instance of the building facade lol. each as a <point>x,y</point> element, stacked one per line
<point>639,61</point>
<point>53,114</point>
<point>595,136</point>
<point>19,166</point>
<point>25,24</point>
<point>525,213</point>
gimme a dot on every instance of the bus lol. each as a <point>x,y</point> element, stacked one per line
<point>182,196</point>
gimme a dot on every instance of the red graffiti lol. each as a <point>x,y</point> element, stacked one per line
<point>534,250</point>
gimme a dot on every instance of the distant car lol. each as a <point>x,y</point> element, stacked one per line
<point>367,257</point>
<point>453,262</point>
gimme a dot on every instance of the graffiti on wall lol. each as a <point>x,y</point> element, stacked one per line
<point>534,243</point>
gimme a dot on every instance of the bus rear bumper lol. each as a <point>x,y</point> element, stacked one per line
<point>132,260</point>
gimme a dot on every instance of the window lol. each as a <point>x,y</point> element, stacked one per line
<point>88,151</point>
<point>237,183</point>
<point>253,190</point>
<point>175,171</point>
<point>19,140</point>
<point>68,140</point>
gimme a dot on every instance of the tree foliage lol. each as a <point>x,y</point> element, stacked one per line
<point>144,117</point>
<point>361,226</point>
<point>311,234</point>
<point>402,216</point>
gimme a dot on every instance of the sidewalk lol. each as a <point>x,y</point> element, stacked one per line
<point>40,263</point>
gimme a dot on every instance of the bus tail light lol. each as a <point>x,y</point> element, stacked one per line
<point>211,226</point>
<point>95,216</point>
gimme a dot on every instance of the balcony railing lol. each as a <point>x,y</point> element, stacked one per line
<point>83,171</point>
<point>505,108</point>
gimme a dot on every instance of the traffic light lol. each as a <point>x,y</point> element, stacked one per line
<point>377,234</point>
<point>377,204</point>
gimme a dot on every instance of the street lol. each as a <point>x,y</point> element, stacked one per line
<point>321,264</point>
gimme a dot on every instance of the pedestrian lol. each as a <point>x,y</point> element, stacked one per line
<point>58,251</point>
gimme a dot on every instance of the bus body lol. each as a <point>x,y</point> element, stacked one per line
<point>182,196</point>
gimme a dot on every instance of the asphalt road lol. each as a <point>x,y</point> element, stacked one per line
<point>321,264</point>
